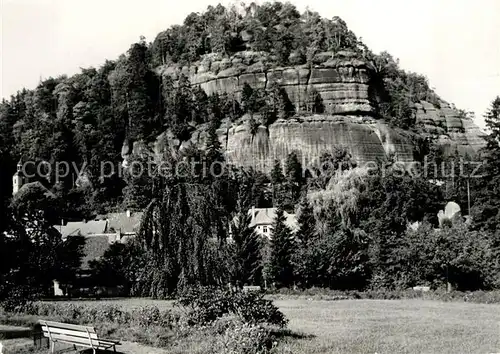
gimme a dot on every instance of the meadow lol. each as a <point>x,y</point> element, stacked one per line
<point>377,326</point>
<point>392,326</point>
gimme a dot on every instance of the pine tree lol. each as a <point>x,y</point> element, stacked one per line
<point>281,269</point>
<point>278,184</point>
<point>307,257</point>
<point>486,210</point>
<point>294,178</point>
<point>200,104</point>
<point>492,150</point>
<point>277,176</point>
<point>306,221</point>
<point>213,154</point>
<point>139,102</point>
<point>247,251</point>
<point>293,168</point>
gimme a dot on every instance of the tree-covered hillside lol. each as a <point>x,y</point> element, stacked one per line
<point>86,118</point>
<point>358,227</point>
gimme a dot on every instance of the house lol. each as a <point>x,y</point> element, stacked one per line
<point>125,224</point>
<point>263,218</point>
<point>117,227</point>
<point>99,234</point>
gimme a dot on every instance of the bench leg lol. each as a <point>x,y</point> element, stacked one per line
<point>53,347</point>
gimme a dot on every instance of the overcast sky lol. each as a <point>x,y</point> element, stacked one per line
<point>455,43</point>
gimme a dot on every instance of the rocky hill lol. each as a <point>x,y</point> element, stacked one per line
<point>350,120</point>
<point>268,79</point>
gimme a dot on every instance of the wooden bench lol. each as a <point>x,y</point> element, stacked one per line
<point>82,336</point>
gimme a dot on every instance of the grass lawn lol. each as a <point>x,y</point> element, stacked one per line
<point>378,326</point>
<point>392,326</point>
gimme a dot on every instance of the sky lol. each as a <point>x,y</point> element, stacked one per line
<point>455,43</point>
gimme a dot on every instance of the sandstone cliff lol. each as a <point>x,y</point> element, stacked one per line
<point>343,83</point>
<point>349,121</point>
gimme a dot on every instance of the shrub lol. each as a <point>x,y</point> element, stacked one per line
<point>242,338</point>
<point>254,309</point>
<point>143,317</point>
<point>147,316</point>
<point>206,304</point>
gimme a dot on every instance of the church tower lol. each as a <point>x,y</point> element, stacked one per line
<point>18,179</point>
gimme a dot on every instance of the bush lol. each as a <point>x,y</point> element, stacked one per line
<point>254,309</point>
<point>143,317</point>
<point>242,338</point>
<point>206,304</point>
<point>149,325</point>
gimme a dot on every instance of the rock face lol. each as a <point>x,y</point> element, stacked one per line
<point>349,120</point>
<point>449,129</point>
<point>342,83</point>
<point>365,138</point>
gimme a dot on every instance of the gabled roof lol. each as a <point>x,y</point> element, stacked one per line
<point>266,216</point>
<point>121,222</point>
<point>81,228</point>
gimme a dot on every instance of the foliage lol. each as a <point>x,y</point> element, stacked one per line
<point>153,326</point>
<point>452,255</point>
<point>33,253</point>
<point>306,221</point>
<point>205,305</point>
<point>399,90</point>
<point>247,257</point>
<point>486,209</point>
<point>280,269</point>
<point>277,28</point>
<point>241,337</point>
<point>119,266</point>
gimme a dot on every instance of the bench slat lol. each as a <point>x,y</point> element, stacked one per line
<point>87,345</point>
<point>62,337</point>
<point>82,340</point>
<point>67,326</point>
<point>67,332</point>
<point>75,334</point>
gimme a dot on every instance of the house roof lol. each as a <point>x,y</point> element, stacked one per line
<point>82,228</point>
<point>123,223</point>
<point>266,216</point>
<point>105,224</point>
<point>94,248</point>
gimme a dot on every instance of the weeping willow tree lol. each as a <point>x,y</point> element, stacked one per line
<point>183,233</point>
<point>341,195</point>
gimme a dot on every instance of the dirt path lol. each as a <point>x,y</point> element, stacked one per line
<point>136,348</point>
<point>17,346</point>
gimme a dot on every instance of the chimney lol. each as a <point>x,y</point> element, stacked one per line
<point>128,213</point>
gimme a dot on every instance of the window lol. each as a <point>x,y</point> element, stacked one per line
<point>264,228</point>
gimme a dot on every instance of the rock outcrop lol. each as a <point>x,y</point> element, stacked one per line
<point>343,83</point>
<point>450,130</point>
<point>365,138</point>
<point>349,121</point>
